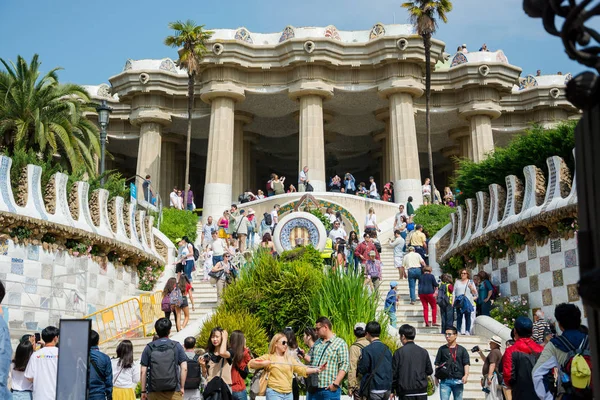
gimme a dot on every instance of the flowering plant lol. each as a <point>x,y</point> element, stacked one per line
<point>480,254</point>
<point>507,309</point>
<point>148,273</point>
<point>566,227</point>
<point>498,248</point>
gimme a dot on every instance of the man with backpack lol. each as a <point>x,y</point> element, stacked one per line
<point>411,367</point>
<point>163,366</point>
<point>452,366</point>
<point>355,349</point>
<point>194,371</point>
<point>375,366</point>
<point>570,354</point>
<point>445,302</point>
<point>519,359</point>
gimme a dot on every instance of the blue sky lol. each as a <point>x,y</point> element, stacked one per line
<point>92,40</point>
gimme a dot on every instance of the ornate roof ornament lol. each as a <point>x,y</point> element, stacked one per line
<point>128,65</point>
<point>104,91</point>
<point>288,33</point>
<point>528,82</point>
<point>501,57</point>
<point>244,35</point>
<point>459,58</point>
<point>168,65</point>
<point>377,31</point>
<point>331,32</point>
<point>568,77</point>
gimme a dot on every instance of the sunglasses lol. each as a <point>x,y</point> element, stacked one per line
<point>283,342</point>
<point>463,273</point>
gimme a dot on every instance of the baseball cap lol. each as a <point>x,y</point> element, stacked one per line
<point>523,323</point>
<point>360,325</point>
<point>496,339</point>
<point>178,240</point>
<point>393,284</point>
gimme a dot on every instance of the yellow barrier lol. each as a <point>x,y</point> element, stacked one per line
<point>151,307</point>
<point>118,320</point>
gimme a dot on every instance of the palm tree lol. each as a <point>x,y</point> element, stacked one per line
<point>43,115</point>
<point>424,15</point>
<point>190,39</point>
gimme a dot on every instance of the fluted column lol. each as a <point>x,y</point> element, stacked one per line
<point>482,138</point>
<point>241,119</point>
<point>311,134</point>
<point>462,137</point>
<point>220,157</point>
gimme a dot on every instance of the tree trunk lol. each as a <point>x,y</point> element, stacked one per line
<point>427,44</point>
<point>189,137</point>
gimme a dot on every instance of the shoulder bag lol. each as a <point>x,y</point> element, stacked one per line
<point>312,380</point>
<point>258,386</point>
<point>214,391</point>
<point>234,235</point>
<point>365,389</point>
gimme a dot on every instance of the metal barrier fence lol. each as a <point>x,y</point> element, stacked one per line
<point>127,317</point>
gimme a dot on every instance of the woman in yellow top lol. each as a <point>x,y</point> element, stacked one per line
<point>281,368</point>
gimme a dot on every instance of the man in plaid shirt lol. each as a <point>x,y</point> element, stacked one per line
<point>332,350</point>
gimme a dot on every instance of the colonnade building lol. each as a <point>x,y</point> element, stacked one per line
<point>335,101</point>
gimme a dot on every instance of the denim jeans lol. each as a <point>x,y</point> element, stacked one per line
<point>414,274</point>
<point>216,259</point>
<point>447,317</point>
<point>22,396</point>
<point>393,319</point>
<point>324,394</point>
<point>241,395</point>
<point>273,395</point>
<point>189,266</point>
<point>451,386</point>
<point>250,239</point>
<point>459,320</point>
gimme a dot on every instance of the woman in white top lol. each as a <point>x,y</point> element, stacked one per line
<point>126,372</point>
<point>371,221</point>
<point>21,387</point>
<point>464,286</point>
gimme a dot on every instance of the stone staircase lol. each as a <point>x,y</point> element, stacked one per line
<point>430,338</point>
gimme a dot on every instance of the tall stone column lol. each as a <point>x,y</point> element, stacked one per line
<point>481,108</point>
<point>312,138</point>
<point>405,168</point>
<point>239,144</point>
<point>249,167</point>
<point>462,137</point>
<point>168,166</point>
<point>482,138</point>
<point>220,156</point>
<point>151,123</point>
<point>382,136</point>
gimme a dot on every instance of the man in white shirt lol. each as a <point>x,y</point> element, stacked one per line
<point>337,232</point>
<point>43,366</point>
<point>174,199</point>
<point>207,231</point>
<point>303,179</point>
<point>274,217</point>
<point>218,247</point>
<point>330,215</point>
<point>373,189</point>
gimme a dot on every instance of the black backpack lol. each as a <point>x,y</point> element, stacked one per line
<point>163,366</point>
<point>268,218</point>
<point>522,368</point>
<point>196,252</point>
<point>442,298</point>
<point>194,374</point>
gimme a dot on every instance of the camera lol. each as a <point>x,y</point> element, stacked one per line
<point>475,349</point>
<point>206,357</point>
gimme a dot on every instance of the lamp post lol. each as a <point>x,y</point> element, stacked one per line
<point>103,119</point>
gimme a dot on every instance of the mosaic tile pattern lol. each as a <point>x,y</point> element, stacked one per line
<point>13,299</point>
<point>514,289</point>
<point>4,247</point>
<point>572,292</point>
<point>504,275</point>
<point>16,266</point>
<point>47,271</point>
<point>494,264</point>
<point>288,33</point>
<point>547,297</point>
<point>522,270</point>
<point>531,252</point>
<point>554,246</point>
<point>544,264</point>
<point>376,31</point>
<point>557,278</point>
<point>458,59</point>
<point>243,35</point>
<point>571,259</point>
<point>528,82</point>
<point>533,283</point>
<point>33,252</point>
<point>30,286</point>
<point>512,258</point>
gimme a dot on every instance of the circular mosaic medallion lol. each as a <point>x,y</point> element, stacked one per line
<point>299,228</point>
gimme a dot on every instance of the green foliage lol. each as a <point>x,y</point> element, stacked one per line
<point>20,159</point>
<point>516,240</point>
<point>498,248</point>
<point>345,299</point>
<point>326,222</point>
<point>256,336</point>
<point>49,238</point>
<point>114,182</point>
<point>78,247</point>
<point>433,217</point>
<point>307,254</point>
<point>507,309</point>
<point>179,223</point>
<point>532,148</point>
<point>20,232</point>
<point>480,254</point>
<point>454,265</point>
<point>277,292</point>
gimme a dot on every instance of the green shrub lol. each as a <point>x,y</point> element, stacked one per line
<point>277,292</point>
<point>114,182</point>
<point>433,217</point>
<point>507,309</point>
<point>480,254</point>
<point>307,254</point>
<point>453,265</point>
<point>317,213</point>
<point>20,159</point>
<point>345,300</point>
<point>256,337</point>
<point>532,148</point>
<point>516,240</point>
<point>179,223</point>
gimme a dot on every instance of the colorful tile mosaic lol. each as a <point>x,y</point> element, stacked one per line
<point>288,33</point>
<point>168,65</point>
<point>522,270</point>
<point>514,288</point>
<point>573,292</point>
<point>547,297</point>
<point>4,247</point>
<point>544,264</point>
<point>533,283</point>
<point>331,32</point>
<point>310,201</point>
<point>555,246</point>
<point>30,286</point>
<point>503,275</point>
<point>243,35</point>
<point>531,252</point>
<point>557,278</point>
<point>33,252</point>
<point>528,82</point>
<point>571,258</point>
<point>16,266</point>
<point>458,59</point>
<point>377,31</point>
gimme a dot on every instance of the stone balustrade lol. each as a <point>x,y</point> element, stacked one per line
<point>77,214</point>
<point>514,209</point>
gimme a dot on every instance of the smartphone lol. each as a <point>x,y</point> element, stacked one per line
<point>38,337</point>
